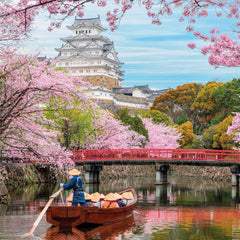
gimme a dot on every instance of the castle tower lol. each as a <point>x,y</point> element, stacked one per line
<point>87,53</point>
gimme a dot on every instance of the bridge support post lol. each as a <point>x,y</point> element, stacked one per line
<point>235,170</point>
<point>161,174</point>
<point>92,173</point>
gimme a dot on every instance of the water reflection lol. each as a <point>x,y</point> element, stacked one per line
<point>121,229</point>
<point>186,208</point>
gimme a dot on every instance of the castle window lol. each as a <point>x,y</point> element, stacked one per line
<point>88,71</point>
<point>89,31</point>
<point>76,32</point>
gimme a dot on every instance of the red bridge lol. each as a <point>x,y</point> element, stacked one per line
<point>152,156</point>
<point>93,160</point>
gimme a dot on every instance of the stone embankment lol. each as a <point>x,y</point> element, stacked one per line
<point>214,173</point>
<point>14,176</point>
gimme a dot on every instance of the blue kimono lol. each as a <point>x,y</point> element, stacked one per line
<point>78,195</point>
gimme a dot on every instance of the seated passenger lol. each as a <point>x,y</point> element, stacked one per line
<point>88,199</point>
<point>128,197</point>
<point>110,201</point>
<point>102,199</point>
<point>97,199</point>
<point>120,201</point>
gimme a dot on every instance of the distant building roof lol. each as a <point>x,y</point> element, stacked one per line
<point>144,88</point>
<point>91,22</point>
<point>123,90</point>
<point>97,88</point>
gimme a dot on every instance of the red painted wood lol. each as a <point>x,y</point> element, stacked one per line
<point>151,154</point>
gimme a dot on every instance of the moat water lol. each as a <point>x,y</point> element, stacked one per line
<point>186,208</point>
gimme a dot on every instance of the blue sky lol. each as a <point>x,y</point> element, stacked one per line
<point>153,55</point>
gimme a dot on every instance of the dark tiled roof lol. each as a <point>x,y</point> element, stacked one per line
<point>124,90</point>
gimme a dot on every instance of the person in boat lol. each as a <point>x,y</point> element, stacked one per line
<point>88,200</point>
<point>127,197</point>
<point>120,201</point>
<point>77,185</point>
<point>110,201</point>
<point>97,199</point>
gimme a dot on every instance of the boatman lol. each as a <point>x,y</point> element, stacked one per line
<point>77,185</point>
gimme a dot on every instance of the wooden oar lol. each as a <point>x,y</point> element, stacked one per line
<point>62,199</point>
<point>51,198</point>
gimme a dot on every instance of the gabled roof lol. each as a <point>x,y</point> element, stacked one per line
<point>67,43</point>
<point>109,49</point>
<point>82,37</point>
<point>90,22</point>
<point>92,42</point>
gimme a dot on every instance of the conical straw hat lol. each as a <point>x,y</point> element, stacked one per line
<point>95,197</point>
<point>128,195</point>
<point>74,172</point>
<point>70,198</point>
<point>110,197</point>
<point>118,196</point>
<point>87,196</point>
<point>102,196</point>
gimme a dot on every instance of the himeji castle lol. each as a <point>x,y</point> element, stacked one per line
<point>88,53</point>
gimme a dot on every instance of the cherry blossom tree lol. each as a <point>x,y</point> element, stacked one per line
<point>26,86</point>
<point>235,128</point>
<point>16,19</point>
<point>110,133</point>
<point>161,136</point>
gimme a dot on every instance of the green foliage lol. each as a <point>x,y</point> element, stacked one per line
<point>228,96</point>
<point>206,104</point>
<point>220,139</point>
<point>74,124</point>
<point>207,138</point>
<point>182,119</point>
<point>157,116</point>
<point>178,102</point>
<point>186,129</point>
<point>216,120</point>
<point>60,69</point>
<point>196,144</point>
<point>135,123</point>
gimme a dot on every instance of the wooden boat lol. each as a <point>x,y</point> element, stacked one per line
<point>69,216</point>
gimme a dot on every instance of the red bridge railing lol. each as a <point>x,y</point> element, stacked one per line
<point>151,154</point>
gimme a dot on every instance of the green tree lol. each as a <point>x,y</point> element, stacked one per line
<point>221,140</point>
<point>228,97</point>
<point>178,102</point>
<point>207,137</point>
<point>206,104</point>
<point>135,123</point>
<point>182,119</point>
<point>73,122</point>
<point>186,129</point>
<point>156,116</point>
